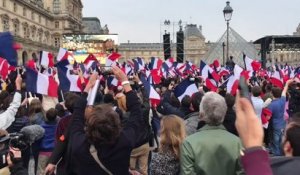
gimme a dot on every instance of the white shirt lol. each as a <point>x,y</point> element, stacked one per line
<point>258,105</point>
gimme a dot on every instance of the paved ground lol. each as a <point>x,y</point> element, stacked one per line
<point>31,167</point>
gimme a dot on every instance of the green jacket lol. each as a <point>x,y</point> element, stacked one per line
<point>211,151</point>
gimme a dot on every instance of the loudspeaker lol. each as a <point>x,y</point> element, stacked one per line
<point>180,46</point>
<point>167,46</point>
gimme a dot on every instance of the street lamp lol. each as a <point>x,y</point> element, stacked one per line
<point>227,15</point>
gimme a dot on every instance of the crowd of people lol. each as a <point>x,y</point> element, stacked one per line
<point>208,133</point>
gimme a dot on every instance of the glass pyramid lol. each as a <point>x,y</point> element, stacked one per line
<point>237,46</point>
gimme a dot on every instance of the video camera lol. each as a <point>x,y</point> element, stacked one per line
<point>19,141</point>
<point>14,140</point>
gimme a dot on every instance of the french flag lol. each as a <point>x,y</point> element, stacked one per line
<point>224,72</point>
<point>63,54</point>
<point>8,49</point>
<point>277,78</point>
<point>154,97</point>
<point>112,59</point>
<point>90,62</point>
<point>180,68</point>
<point>46,59</point>
<point>126,68</point>
<point>155,63</point>
<point>186,87</point>
<point>67,81</point>
<point>37,82</point>
<point>4,68</point>
<point>139,64</point>
<point>232,83</point>
<point>206,71</point>
<point>250,64</point>
<point>112,82</point>
<point>216,65</point>
<point>155,76</point>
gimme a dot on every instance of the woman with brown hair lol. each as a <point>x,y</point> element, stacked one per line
<point>172,134</point>
<point>36,112</point>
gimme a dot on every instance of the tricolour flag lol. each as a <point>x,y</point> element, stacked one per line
<point>4,68</point>
<point>155,63</point>
<point>206,72</point>
<point>67,80</point>
<point>37,82</point>
<point>154,97</point>
<point>186,87</point>
<point>112,59</point>
<point>46,59</point>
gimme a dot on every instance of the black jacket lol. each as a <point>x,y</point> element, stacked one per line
<point>113,157</point>
<point>229,121</point>
<point>285,165</point>
<point>18,169</point>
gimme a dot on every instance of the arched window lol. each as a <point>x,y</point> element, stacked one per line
<point>5,23</point>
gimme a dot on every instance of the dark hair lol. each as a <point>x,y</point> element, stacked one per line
<point>276,92</point>
<point>22,111</point>
<point>108,98</point>
<point>60,110</point>
<point>174,101</point>
<point>196,100</point>
<point>293,135</point>
<point>35,106</point>
<point>5,100</point>
<point>51,115</point>
<point>222,92</point>
<point>103,125</point>
<point>230,100</point>
<point>70,99</point>
<point>268,88</point>
<point>256,91</point>
<point>186,101</point>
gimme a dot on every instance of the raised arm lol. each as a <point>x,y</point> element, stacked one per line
<point>77,126</point>
<point>286,87</point>
<point>135,121</point>
<point>8,116</point>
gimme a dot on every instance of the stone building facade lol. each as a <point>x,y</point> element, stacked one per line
<point>195,47</point>
<point>194,43</point>
<point>143,50</point>
<point>40,25</point>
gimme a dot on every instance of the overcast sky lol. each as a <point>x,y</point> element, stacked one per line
<point>139,20</point>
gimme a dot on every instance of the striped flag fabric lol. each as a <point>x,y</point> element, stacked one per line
<point>154,97</point>
<point>250,64</point>
<point>4,68</point>
<point>67,80</point>
<point>37,82</point>
<point>186,87</point>
<point>155,63</point>
<point>46,59</point>
<point>62,54</point>
<point>112,59</point>
<point>206,72</point>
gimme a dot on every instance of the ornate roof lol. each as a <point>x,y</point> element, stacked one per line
<point>192,30</point>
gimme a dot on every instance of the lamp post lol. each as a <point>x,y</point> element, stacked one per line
<point>227,15</point>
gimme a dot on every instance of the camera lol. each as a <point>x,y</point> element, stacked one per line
<point>13,140</point>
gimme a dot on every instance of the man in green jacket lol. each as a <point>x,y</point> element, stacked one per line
<point>212,150</point>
